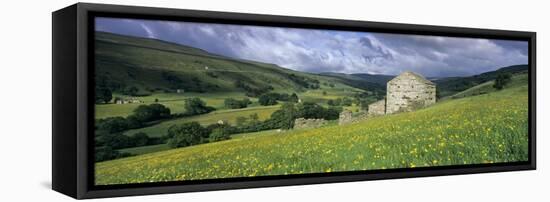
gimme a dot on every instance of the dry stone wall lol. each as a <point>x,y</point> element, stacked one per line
<point>377,108</point>
<point>345,117</point>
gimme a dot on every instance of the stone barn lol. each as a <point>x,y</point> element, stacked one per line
<point>406,92</point>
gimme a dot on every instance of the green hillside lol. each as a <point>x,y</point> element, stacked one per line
<point>487,87</point>
<point>452,85</point>
<point>370,82</point>
<point>156,70</point>
<point>157,66</point>
<point>488,128</point>
<point>230,115</point>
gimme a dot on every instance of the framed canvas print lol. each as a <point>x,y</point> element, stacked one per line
<point>154,100</point>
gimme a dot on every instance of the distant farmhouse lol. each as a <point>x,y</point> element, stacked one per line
<point>407,92</point>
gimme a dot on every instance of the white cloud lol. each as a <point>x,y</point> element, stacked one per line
<point>340,51</point>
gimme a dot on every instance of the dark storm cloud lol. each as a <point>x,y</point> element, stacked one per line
<point>333,51</point>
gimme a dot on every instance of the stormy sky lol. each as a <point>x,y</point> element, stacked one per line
<point>333,51</point>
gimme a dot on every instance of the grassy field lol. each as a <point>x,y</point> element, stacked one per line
<point>163,147</point>
<point>487,87</point>
<point>488,128</point>
<point>176,101</point>
<point>141,62</point>
<point>229,115</point>
<point>173,101</point>
<point>146,149</point>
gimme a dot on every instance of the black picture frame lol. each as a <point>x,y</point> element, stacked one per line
<point>73,93</point>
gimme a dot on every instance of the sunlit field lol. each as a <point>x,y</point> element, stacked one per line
<point>488,128</point>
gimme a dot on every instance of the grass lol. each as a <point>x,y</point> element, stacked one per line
<point>487,87</point>
<point>140,62</point>
<point>489,128</point>
<point>258,134</point>
<point>176,101</point>
<point>229,115</point>
<point>146,149</point>
<point>173,101</point>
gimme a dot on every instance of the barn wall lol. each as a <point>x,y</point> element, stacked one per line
<point>407,93</point>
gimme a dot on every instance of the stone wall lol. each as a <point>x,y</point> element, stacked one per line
<point>408,92</point>
<point>345,117</point>
<point>302,123</point>
<point>377,108</point>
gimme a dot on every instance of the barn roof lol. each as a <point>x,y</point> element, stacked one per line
<point>412,74</point>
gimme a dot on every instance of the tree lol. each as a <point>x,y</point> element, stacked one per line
<point>324,92</point>
<point>332,113</point>
<point>219,134</point>
<point>310,110</point>
<point>186,134</point>
<point>103,95</point>
<point>284,117</point>
<point>267,99</point>
<point>140,139</point>
<point>236,104</point>
<point>152,112</point>
<point>501,80</point>
<point>294,98</point>
<point>104,153</point>
<point>133,122</point>
<point>130,90</point>
<point>246,101</point>
<point>195,106</point>
<point>346,102</point>
<point>112,124</point>
<point>114,140</point>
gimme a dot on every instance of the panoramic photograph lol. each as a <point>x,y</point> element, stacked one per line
<point>184,101</point>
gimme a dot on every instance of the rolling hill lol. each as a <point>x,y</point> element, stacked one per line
<point>370,82</point>
<point>447,86</point>
<point>488,128</point>
<point>452,85</point>
<point>152,65</point>
<point>487,87</point>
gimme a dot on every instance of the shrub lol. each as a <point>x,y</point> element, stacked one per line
<point>195,106</point>
<point>105,153</point>
<point>186,134</point>
<point>219,134</point>
<point>283,118</point>
<point>502,80</point>
<point>152,112</point>
<point>236,104</point>
<point>113,140</point>
<point>294,98</point>
<point>140,139</point>
<point>310,110</point>
<point>268,99</point>
<point>112,124</point>
<point>103,95</point>
<point>130,90</point>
